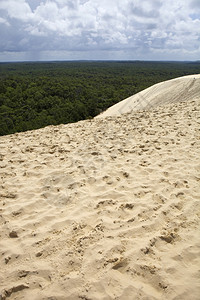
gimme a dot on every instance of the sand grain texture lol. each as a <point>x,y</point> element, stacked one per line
<point>103,209</point>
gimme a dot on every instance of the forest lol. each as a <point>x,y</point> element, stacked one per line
<point>37,94</point>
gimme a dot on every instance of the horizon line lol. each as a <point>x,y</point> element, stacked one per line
<point>98,60</point>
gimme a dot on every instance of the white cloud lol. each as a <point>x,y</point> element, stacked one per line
<point>17,9</point>
<point>4,21</point>
<point>133,28</point>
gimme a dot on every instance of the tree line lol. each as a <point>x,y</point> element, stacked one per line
<point>34,95</point>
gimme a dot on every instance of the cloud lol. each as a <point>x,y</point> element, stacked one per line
<point>195,4</point>
<point>16,9</point>
<point>145,9</point>
<point>131,29</point>
<point>4,21</point>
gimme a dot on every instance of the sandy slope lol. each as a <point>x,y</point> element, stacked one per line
<point>103,209</point>
<point>175,90</point>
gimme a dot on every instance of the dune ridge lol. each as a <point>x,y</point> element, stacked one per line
<point>171,91</point>
<point>103,209</point>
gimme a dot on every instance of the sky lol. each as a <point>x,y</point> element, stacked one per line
<point>35,30</point>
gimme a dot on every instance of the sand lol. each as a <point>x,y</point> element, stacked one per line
<point>103,209</point>
<point>175,90</point>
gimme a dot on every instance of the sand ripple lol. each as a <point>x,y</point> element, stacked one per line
<point>103,209</point>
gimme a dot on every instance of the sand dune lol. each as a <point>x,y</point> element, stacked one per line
<point>175,90</point>
<point>103,209</point>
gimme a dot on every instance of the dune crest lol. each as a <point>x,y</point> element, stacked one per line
<point>175,90</point>
<point>103,209</point>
